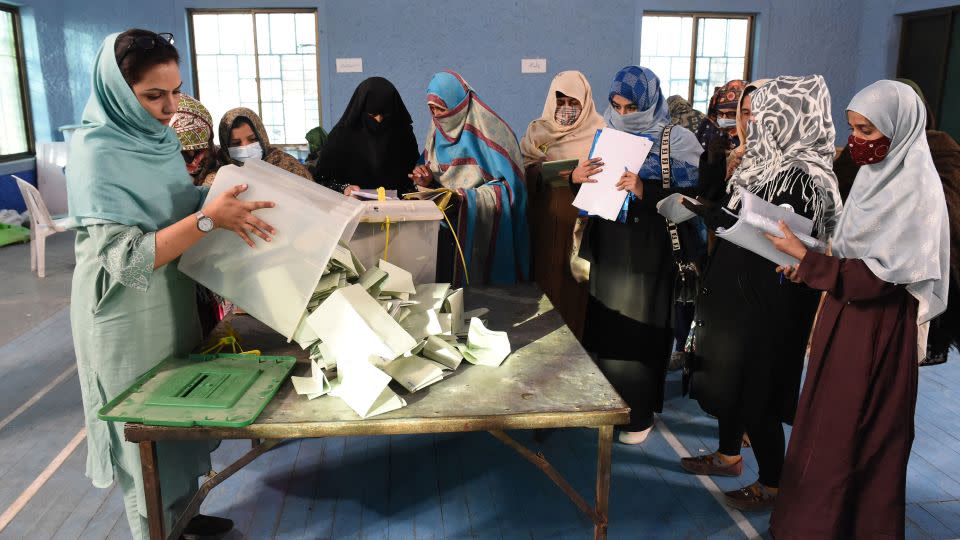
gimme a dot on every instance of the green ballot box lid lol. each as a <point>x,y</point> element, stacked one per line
<point>224,390</point>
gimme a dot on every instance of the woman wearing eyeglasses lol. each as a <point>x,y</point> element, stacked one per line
<point>136,210</point>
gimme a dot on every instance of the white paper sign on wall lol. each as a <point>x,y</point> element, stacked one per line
<point>533,65</point>
<point>349,65</point>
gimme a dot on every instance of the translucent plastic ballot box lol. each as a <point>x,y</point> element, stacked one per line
<point>274,280</point>
<point>410,240</point>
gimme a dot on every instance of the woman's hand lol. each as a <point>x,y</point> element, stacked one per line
<point>350,189</point>
<point>630,182</point>
<point>791,272</point>
<point>586,169</point>
<point>421,175</point>
<point>789,244</point>
<point>228,212</point>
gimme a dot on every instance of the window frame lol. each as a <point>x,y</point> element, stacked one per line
<point>695,34</point>
<point>22,82</point>
<point>253,12</point>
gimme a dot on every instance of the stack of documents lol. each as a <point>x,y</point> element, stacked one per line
<point>757,217</point>
<point>374,325</point>
<point>620,151</point>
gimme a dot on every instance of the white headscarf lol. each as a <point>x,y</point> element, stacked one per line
<point>895,218</point>
<point>791,129</point>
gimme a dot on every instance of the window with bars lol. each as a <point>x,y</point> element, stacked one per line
<point>692,53</point>
<point>16,139</point>
<point>265,60</point>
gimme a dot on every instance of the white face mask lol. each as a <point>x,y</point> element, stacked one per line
<point>243,153</point>
<point>726,123</point>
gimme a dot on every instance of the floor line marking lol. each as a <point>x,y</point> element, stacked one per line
<point>737,516</point>
<point>24,498</point>
<point>38,396</point>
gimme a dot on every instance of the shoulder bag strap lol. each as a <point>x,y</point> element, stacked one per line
<point>665,175</point>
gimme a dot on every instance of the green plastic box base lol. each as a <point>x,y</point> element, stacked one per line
<point>222,390</point>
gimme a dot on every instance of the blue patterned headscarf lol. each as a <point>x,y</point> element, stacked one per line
<point>640,86</point>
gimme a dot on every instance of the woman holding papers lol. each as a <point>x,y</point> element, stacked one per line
<point>751,328</point>
<point>846,467</point>
<point>471,151</point>
<point>372,145</point>
<point>134,208</point>
<point>243,137</point>
<point>630,309</point>
<point>564,131</point>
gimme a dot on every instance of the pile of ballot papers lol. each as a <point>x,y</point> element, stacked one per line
<point>374,325</point>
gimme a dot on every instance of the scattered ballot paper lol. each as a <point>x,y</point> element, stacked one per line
<point>313,386</point>
<point>364,388</point>
<point>421,324</point>
<point>414,373</point>
<point>485,347</point>
<point>376,326</point>
<point>621,151</point>
<point>399,282</point>
<point>454,306</point>
<point>442,352</point>
<point>350,322</point>
<point>429,296</point>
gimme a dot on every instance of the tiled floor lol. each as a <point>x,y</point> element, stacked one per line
<point>427,486</point>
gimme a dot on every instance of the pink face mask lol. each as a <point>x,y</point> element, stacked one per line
<point>864,152</point>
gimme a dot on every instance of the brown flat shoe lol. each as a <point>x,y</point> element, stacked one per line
<point>753,498</point>
<point>710,465</point>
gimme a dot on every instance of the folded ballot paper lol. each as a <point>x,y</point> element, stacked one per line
<point>621,151</point>
<point>485,347</point>
<point>757,217</point>
<point>375,325</point>
<point>313,386</point>
<point>364,387</point>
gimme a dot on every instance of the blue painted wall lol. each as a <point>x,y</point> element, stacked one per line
<point>850,43</point>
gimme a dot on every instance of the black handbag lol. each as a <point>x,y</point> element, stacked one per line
<point>686,283</point>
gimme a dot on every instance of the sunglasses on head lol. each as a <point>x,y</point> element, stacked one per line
<point>147,42</point>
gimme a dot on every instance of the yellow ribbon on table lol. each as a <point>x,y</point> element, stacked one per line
<point>382,196</point>
<point>443,197</point>
<point>231,341</point>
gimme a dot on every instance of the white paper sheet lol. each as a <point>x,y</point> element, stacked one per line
<point>421,324</point>
<point>430,296</point>
<point>454,306</point>
<point>364,388</point>
<point>414,373</point>
<point>672,208</point>
<point>372,195</point>
<point>621,152</point>
<point>485,347</point>
<point>399,282</point>
<point>313,386</point>
<point>435,348</point>
<point>756,211</point>
<point>350,323</point>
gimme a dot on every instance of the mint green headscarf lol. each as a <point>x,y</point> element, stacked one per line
<point>124,165</point>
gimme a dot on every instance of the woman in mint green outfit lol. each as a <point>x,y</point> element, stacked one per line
<point>135,211</point>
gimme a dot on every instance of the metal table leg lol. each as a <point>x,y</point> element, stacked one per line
<point>604,451</point>
<point>151,488</point>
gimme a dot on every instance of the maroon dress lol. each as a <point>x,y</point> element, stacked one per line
<point>846,466</point>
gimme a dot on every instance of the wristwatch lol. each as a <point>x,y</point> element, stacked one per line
<point>204,223</point>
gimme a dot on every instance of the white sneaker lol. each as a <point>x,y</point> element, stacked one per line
<point>635,437</point>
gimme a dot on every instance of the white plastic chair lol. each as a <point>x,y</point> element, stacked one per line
<point>42,225</point>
